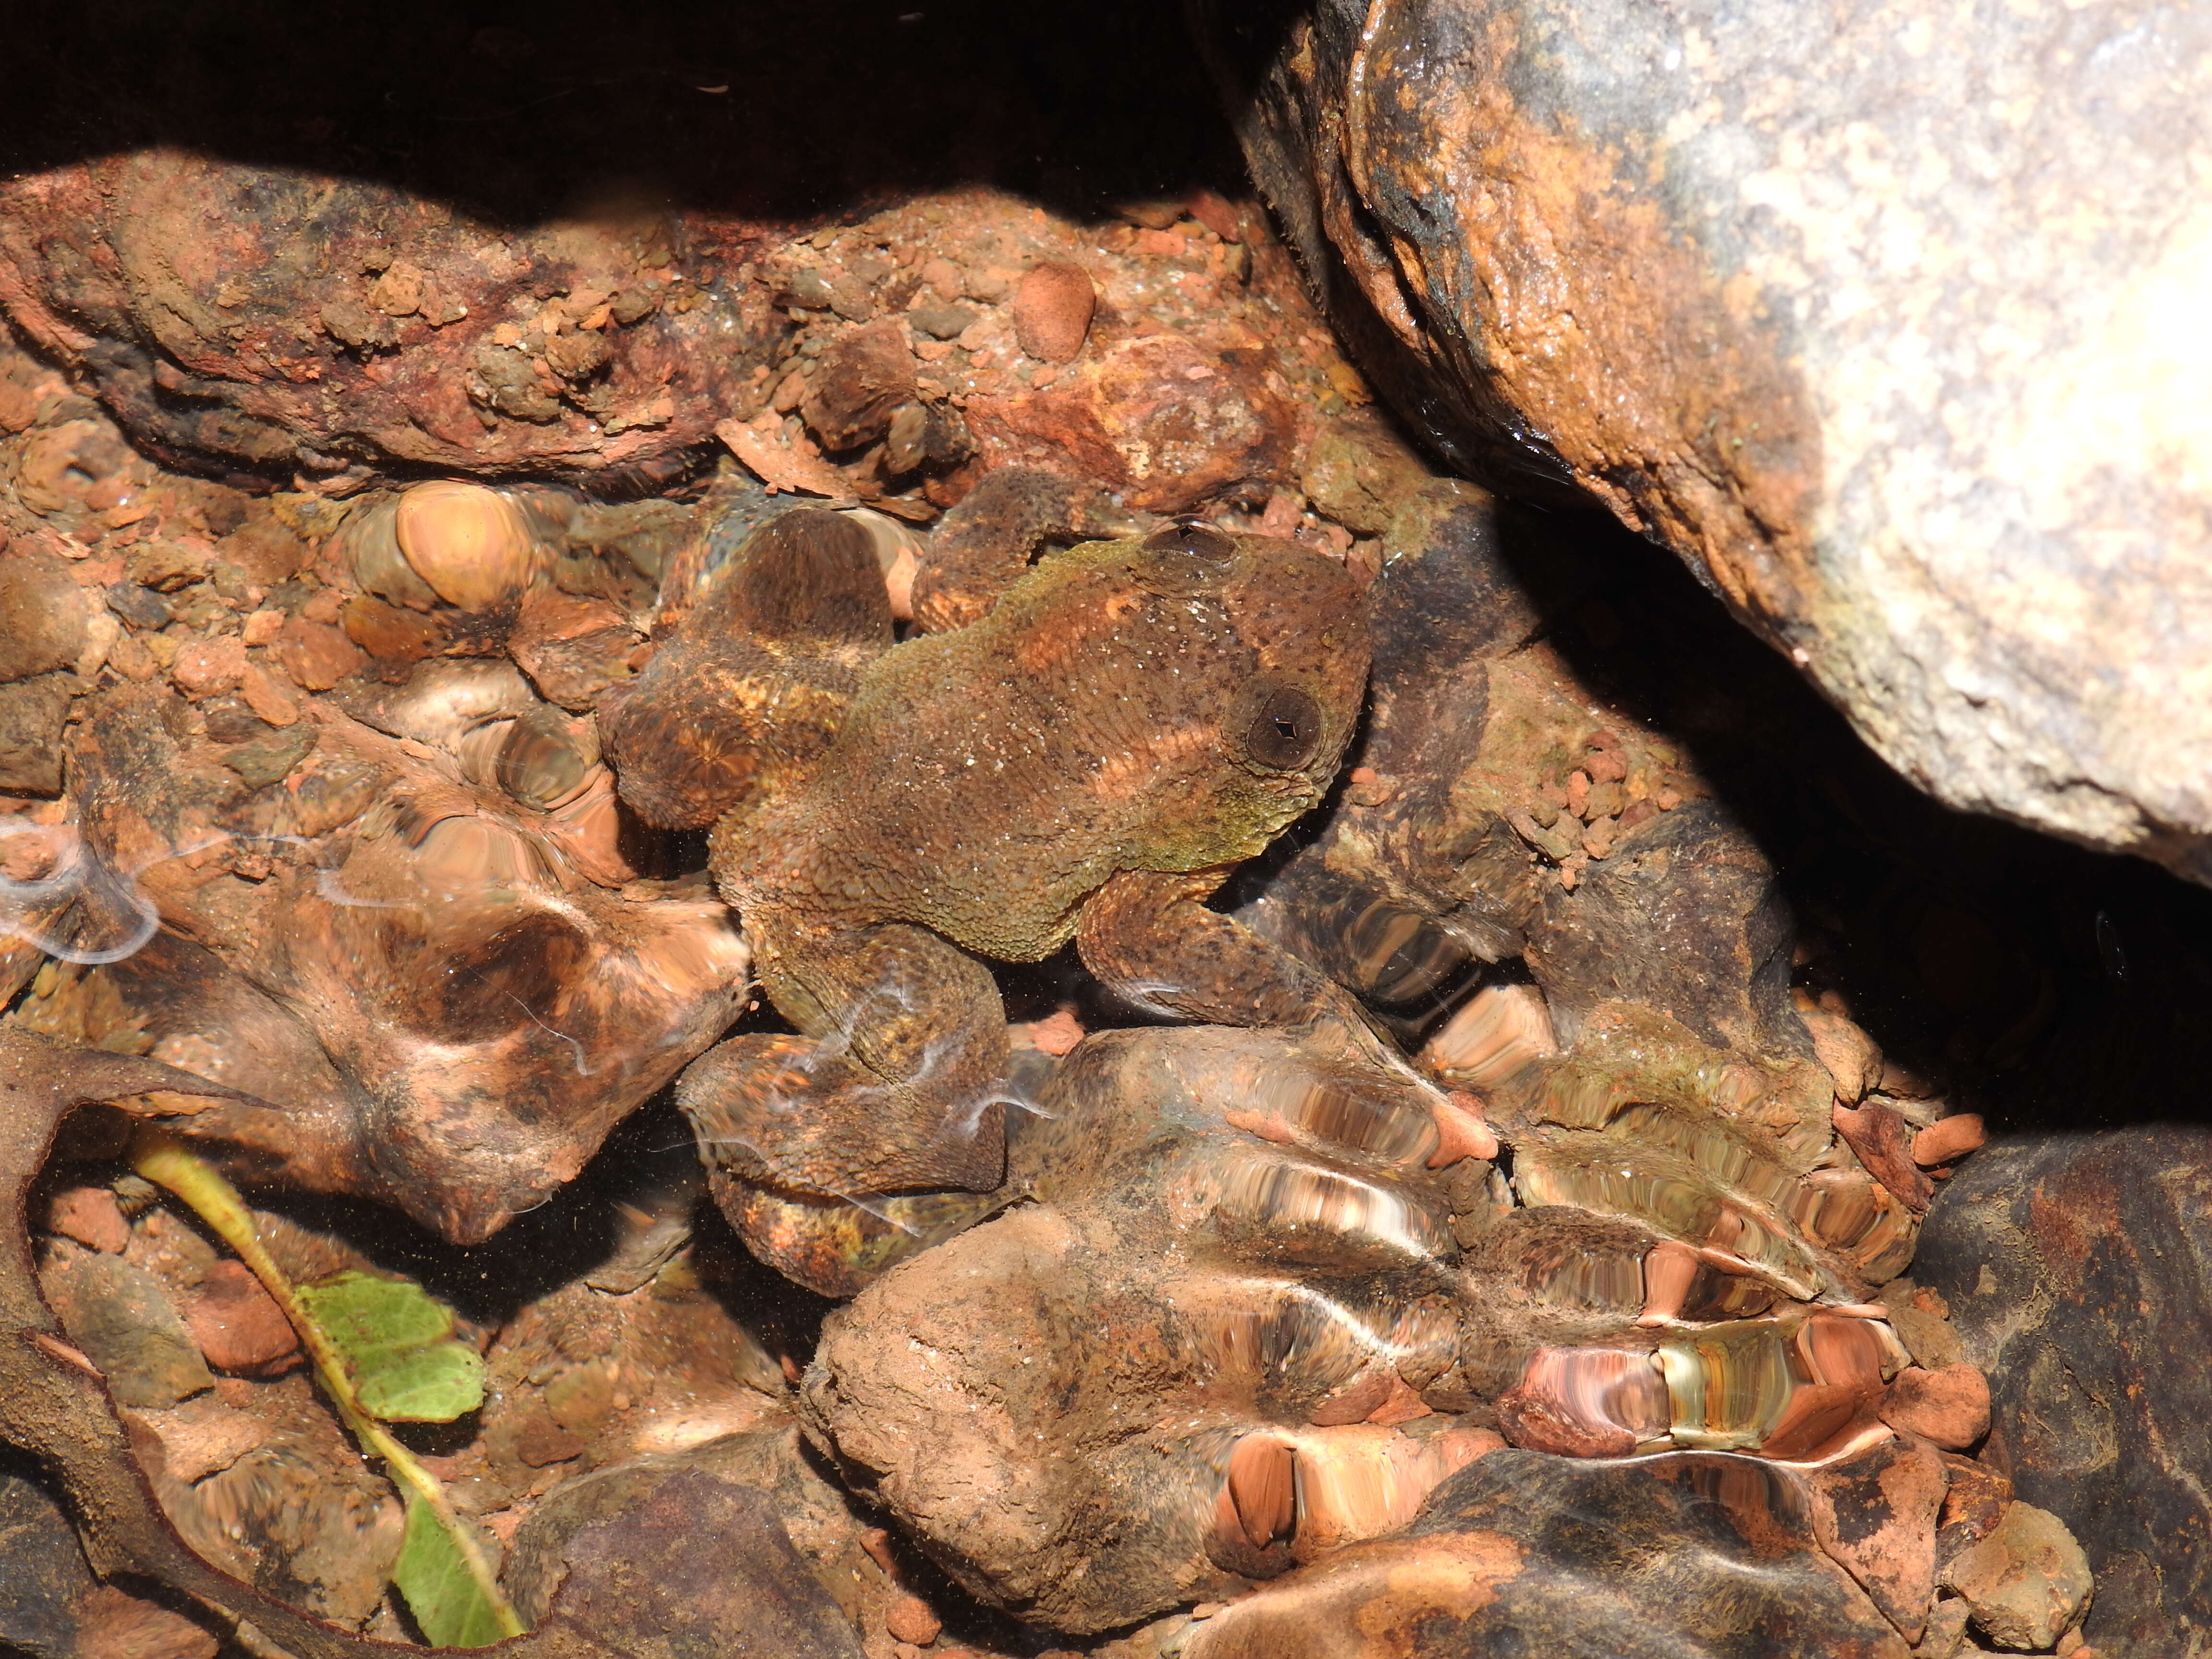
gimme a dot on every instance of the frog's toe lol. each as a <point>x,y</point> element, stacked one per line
<point>791,1113</point>
<point>826,1169</point>
<point>837,1246</point>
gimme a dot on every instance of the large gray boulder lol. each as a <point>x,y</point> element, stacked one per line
<point>1889,319</point>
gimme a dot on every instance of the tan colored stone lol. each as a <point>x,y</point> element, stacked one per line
<point>2027,1581</point>
<point>1851,1057</point>
<point>1948,1138</point>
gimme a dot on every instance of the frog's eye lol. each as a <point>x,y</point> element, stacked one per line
<point>1286,732</point>
<point>1194,539</point>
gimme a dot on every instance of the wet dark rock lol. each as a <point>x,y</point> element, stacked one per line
<point>119,1316</point>
<point>861,381</point>
<point>695,1553</point>
<point>52,1607</point>
<point>32,713</point>
<point>42,1572</point>
<point>1700,1556</point>
<point>1512,811</point>
<point>1261,1266</point>
<point>139,606</point>
<point>1688,919</point>
<point>1649,253</point>
<point>2072,1265</point>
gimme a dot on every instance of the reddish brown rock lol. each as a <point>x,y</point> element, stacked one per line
<point>1882,1143</point>
<point>204,668</point>
<point>239,1326</point>
<point>1160,420</point>
<point>389,632</point>
<point>1950,1406</point>
<point>32,713</point>
<point>113,1624</point>
<point>1950,1138</point>
<point>580,346</point>
<point>1875,1513</point>
<point>91,1216</point>
<point>861,381</point>
<point>42,614</point>
<point>1052,304</point>
<point>572,649</point>
<point>910,1618</point>
<point>315,654</point>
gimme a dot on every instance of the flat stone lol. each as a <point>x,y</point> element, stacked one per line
<point>671,1558</point>
<point>238,1325</point>
<point>32,715</point>
<point>91,1216</point>
<point>42,614</point>
<point>1874,1513</point>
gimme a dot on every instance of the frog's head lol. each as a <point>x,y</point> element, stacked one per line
<point>1274,681</point>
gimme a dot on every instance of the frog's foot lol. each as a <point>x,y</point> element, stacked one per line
<point>829,1172</point>
<point>838,1247</point>
<point>757,677</point>
<point>1149,937</point>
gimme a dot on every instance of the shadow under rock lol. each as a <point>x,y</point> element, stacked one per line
<point>2044,985</point>
<point>771,111</point>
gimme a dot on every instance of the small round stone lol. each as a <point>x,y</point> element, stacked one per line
<point>1053,307</point>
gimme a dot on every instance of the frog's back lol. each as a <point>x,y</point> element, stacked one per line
<point>988,781</point>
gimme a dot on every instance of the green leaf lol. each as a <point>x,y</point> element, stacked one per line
<point>446,1599</point>
<point>398,1347</point>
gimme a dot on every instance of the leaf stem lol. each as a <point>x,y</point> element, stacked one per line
<point>164,1161</point>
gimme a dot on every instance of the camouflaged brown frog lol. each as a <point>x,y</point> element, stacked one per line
<point>1086,760</point>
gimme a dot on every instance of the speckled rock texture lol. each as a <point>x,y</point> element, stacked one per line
<point>281,319</point>
<point>1699,1555</point>
<point>2079,1273</point>
<point>1881,317</point>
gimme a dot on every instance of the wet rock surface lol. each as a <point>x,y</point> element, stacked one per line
<point>1682,1554</point>
<point>1658,255</point>
<point>1523,1262</point>
<point>2067,1263</point>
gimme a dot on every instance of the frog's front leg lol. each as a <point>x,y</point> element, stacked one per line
<point>984,543</point>
<point>1148,935</point>
<point>895,1083</point>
